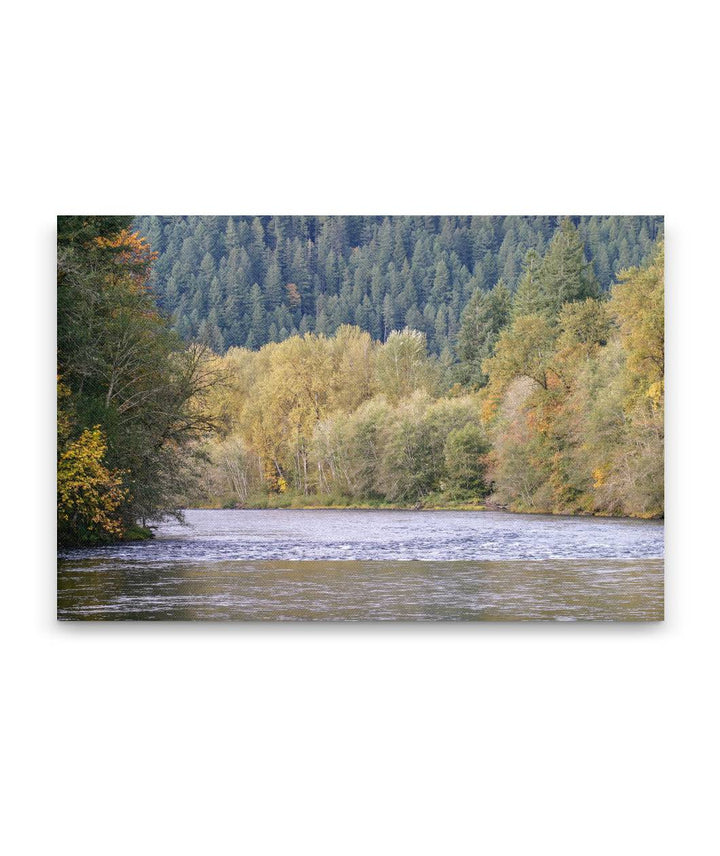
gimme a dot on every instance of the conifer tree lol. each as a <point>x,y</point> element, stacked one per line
<point>257,316</point>
<point>528,297</point>
<point>565,274</point>
<point>482,320</point>
<point>273,285</point>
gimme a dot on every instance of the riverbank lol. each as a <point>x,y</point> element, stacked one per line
<point>319,502</point>
<point>439,502</point>
<point>130,534</point>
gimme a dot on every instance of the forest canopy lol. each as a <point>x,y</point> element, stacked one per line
<point>426,361</point>
<point>570,419</point>
<point>247,281</point>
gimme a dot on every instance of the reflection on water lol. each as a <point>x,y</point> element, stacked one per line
<point>316,565</point>
<point>620,589</point>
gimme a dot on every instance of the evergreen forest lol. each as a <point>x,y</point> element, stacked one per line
<point>247,281</point>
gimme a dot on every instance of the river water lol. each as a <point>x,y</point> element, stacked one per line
<point>368,565</point>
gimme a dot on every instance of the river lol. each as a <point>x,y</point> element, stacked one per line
<point>372,565</point>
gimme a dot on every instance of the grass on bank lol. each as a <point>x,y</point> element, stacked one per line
<point>435,501</point>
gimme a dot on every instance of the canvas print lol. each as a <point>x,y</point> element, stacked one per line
<point>404,418</point>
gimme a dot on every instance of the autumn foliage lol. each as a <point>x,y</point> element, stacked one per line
<point>128,401</point>
<point>568,416</point>
<point>89,495</point>
<point>132,253</point>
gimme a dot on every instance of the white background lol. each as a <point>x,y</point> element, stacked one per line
<point>359,739</point>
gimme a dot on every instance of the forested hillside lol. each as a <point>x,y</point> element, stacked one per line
<point>555,405</point>
<point>247,281</point>
<point>411,361</point>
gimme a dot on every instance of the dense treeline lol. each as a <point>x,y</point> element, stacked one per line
<point>556,404</point>
<point>545,393</point>
<point>575,401</point>
<point>247,281</point>
<point>128,388</point>
<point>342,416</point>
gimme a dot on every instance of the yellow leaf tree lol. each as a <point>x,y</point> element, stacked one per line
<point>89,495</point>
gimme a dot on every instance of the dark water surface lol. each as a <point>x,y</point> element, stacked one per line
<point>403,565</point>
